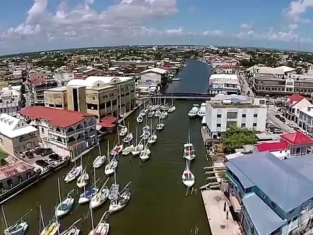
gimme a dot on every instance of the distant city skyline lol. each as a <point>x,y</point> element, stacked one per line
<point>39,25</point>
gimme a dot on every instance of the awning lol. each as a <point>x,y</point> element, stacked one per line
<point>108,122</point>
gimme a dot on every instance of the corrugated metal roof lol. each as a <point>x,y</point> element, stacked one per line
<point>265,220</point>
<point>245,181</point>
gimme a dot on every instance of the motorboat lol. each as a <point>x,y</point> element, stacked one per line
<point>83,179</point>
<point>53,226</point>
<point>100,197</point>
<point>139,118</point>
<point>201,112</point>
<point>128,138</point>
<point>114,190</point>
<point>110,168</point>
<point>122,201</point>
<point>117,149</point>
<point>18,228</point>
<point>127,150</point>
<point>100,160</point>
<point>65,205</point>
<point>188,178</point>
<point>123,131</point>
<point>72,230</point>
<point>145,153</point>
<point>189,151</point>
<point>102,227</point>
<point>194,111</point>
<point>73,174</point>
<point>89,193</point>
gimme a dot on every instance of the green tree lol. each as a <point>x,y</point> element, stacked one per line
<point>237,137</point>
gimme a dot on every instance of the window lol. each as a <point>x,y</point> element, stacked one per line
<point>42,130</point>
<point>243,125</point>
<point>255,115</point>
<point>254,124</point>
<point>219,115</point>
<point>243,115</point>
<point>264,196</point>
<point>218,125</point>
<point>273,204</point>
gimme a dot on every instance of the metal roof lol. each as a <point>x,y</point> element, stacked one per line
<point>280,182</point>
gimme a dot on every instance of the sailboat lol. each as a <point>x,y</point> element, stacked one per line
<point>110,168</point>
<point>139,119</point>
<point>188,178</point>
<point>153,138</point>
<point>73,174</point>
<point>102,227</point>
<point>53,226</point>
<point>89,193</point>
<point>72,230</point>
<point>160,125</point>
<point>172,108</point>
<point>118,147</point>
<point>126,151</point>
<point>146,127</point>
<point>189,151</point>
<point>114,190</point>
<point>138,147</point>
<point>123,130</point>
<point>122,200</point>
<point>100,197</point>
<point>65,205</point>
<point>145,153</point>
<point>18,228</point>
<point>83,179</point>
<point>129,137</point>
<point>100,160</point>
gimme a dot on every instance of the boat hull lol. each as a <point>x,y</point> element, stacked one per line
<point>72,231</point>
<point>21,231</point>
<point>61,213</point>
<point>53,231</point>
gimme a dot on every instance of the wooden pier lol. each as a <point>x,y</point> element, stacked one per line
<point>214,202</point>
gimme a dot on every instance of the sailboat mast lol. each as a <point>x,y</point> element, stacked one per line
<point>42,219</point>
<point>108,151</point>
<point>4,218</point>
<point>189,136</point>
<point>94,176</point>
<point>114,176</point>
<point>92,222</point>
<point>99,149</point>
<point>136,135</point>
<point>59,190</point>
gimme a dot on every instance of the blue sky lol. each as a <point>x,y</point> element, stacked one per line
<point>32,25</point>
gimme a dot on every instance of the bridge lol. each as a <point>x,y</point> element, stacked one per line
<point>179,96</point>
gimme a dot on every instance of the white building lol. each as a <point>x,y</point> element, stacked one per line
<point>151,78</point>
<point>223,111</point>
<point>306,119</point>
<point>67,133</point>
<point>10,100</point>
<point>224,84</point>
<point>63,78</point>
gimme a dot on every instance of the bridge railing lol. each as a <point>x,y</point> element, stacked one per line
<point>187,94</point>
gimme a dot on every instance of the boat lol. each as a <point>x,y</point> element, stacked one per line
<point>139,118</point>
<point>122,201</point>
<point>145,135</point>
<point>188,178</point>
<point>73,174</point>
<point>117,148</point>
<point>72,230</point>
<point>126,151</point>
<point>160,126</point>
<point>65,205</point>
<point>150,114</point>
<point>100,160</point>
<point>201,112</point>
<point>114,190</point>
<point>194,111</point>
<point>102,227</point>
<point>18,228</point>
<point>138,147</point>
<point>163,115</point>
<point>145,153</point>
<point>89,193</point>
<point>157,113</point>
<point>110,168</point>
<point>145,128</point>
<point>100,197</point>
<point>172,108</point>
<point>83,179</point>
<point>123,131</point>
<point>53,226</point>
<point>128,138</point>
<point>153,138</point>
<point>189,151</point>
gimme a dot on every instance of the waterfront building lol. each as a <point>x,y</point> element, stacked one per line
<point>270,196</point>
<point>224,84</point>
<point>151,78</point>
<point>13,173</point>
<point>294,104</point>
<point>100,96</point>
<point>66,132</point>
<point>10,100</point>
<point>225,69</point>
<point>16,136</point>
<point>225,110</point>
<point>306,119</point>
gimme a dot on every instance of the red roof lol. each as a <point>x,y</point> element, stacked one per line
<point>56,117</point>
<point>108,121</point>
<point>297,138</point>
<point>273,146</point>
<point>294,98</point>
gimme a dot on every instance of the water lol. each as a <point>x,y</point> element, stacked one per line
<point>194,78</point>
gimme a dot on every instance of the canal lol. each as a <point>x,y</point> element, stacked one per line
<point>194,78</point>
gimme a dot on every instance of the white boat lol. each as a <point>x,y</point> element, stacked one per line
<point>83,179</point>
<point>189,151</point>
<point>145,153</point>
<point>18,228</point>
<point>110,168</point>
<point>128,138</point>
<point>172,108</point>
<point>100,160</point>
<point>160,126</point>
<point>65,205</point>
<point>89,193</point>
<point>122,201</point>
<point>188,178</point>
<point>53,226</point>
<point>152,139</point>
<point>150,114</point>
<point>139,118</point>
<point>145,128</point>
<point>100,197</point>
<point>145,135</point>
<point>73,174</point>
<point>201,112</point>
<point>126,151</point>
<point>138,147</point>
<point>194,111</point>
<point>114,190</point>
<point>102,227</point>
<point>123,131</point>
<point>72,230</point>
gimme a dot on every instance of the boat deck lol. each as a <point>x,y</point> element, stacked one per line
<point>214,206</point>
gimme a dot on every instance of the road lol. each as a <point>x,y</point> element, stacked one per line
<point>271,112</point>
<point>245,86</point>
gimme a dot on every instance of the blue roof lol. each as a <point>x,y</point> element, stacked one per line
<point>282,183</point>
<point>303,164</point>
<point>244,180</point>
<point>265,220</point>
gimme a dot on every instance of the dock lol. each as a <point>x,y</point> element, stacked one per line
<point>214,201</point>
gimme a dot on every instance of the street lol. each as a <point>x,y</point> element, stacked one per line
<point>271,112</point>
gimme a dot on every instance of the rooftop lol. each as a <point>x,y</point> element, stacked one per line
<point>224,76</point>
<point>56,117</point>
<point>297,138</point>
<point>13,127</point>
<point>294,98</point>
<point>217,105</point>
<point>15,168</point>
<point>60,88</point>
<point>272,146</point>
<point>155,70</point>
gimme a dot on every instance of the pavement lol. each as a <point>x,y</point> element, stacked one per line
<point>245,86</point>
<point>271,112</point>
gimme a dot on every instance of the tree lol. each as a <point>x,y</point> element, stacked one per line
<point>237,137</point>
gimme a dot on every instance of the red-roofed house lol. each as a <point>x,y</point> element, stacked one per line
<point>68,133</point>
<point>272,146</point>
<point>294,103</point>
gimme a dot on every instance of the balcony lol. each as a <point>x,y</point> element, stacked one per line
<point>67,134</point>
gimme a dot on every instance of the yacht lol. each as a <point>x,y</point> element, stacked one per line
<point>189,151</point>
<point>72,230</point>
<point>102,227</point>
<point>201,112</point>
<point>65,204</point>
<point>83,179</point>
<point>188,178</point>
<point>145,153</point>
<point>100,160</point>
<point>110,168</point>
<point>100,197</point>
<point>194,111</point>
<point>73,174</point>
<point>121,202</point>
<point>18,228</point>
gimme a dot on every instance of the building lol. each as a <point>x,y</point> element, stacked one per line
<point>16,136</point>
<point>226,110</point>
<point>63,78</point>
<point>224,84</point>
<point>306,119</point>
<point>66,132</point>
<point>151,78</point>
<point>225,69</point>
<point>100,96</point>
<point>294,104</point>
<point>16,78</point>
<point>10,100</point>
<point>271,196</point>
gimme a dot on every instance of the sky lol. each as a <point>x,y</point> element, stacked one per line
<point>37,25</point>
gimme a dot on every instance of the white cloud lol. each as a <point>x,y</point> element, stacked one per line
<point>293,26</point>
<point>246,25</point>
<point>213,33</point>
<point>297,8</point>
